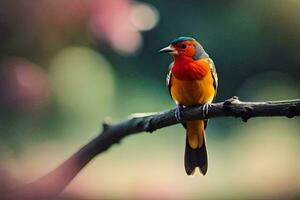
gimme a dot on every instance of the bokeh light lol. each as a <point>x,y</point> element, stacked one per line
<point>144,16</point>
<point>118,22</point>
<point>82,81</point>
<point>24,85</point>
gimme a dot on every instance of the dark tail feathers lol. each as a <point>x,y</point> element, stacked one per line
<point>195,158</point>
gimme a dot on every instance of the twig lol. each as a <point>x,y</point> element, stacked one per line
<point>53,183</point>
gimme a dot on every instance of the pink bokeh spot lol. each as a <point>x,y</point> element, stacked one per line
<point>25,86</point>
<point>110,21</point>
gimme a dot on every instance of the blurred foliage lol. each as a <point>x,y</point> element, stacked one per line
<point>66,65</point>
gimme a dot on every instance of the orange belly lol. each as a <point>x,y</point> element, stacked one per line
<point>194,92</point>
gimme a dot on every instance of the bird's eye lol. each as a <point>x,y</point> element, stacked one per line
<point>183,46</point>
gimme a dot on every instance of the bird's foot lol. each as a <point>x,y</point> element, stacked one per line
<point>178,112</point>
<point>205,108</point>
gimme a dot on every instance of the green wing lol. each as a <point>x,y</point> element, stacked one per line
<point>214,74</point>
<point>169,78</point>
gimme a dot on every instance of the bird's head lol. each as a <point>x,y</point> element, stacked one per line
<point>185,47</point>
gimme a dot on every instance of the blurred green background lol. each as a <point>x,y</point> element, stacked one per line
<point>66,65</point>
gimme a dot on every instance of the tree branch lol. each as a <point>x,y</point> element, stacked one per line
<point>53,183</point>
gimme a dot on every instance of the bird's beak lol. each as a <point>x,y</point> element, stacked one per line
<point>169,49</point>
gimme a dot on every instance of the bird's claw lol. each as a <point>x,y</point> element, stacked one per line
<point>178,112</point>
<point>205,109</point>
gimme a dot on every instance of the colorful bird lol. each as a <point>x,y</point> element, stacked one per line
<point>192,80</point>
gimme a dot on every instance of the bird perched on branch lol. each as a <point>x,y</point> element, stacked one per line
<point>192,80</point>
